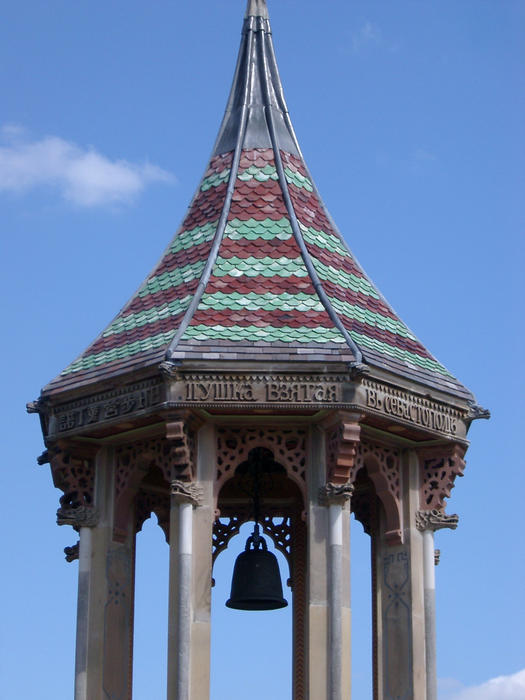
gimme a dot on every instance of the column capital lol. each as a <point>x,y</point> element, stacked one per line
<point>187,492</point>
<point>435,520</point>
<point>335,494</point>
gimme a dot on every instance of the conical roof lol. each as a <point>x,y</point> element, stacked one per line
<point>258,268</point>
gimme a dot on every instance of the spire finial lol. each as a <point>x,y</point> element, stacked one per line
<point>257,8</point>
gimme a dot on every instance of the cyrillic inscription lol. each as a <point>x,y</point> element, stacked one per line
<point>419,411</point>
<point>259,390</point>
<point>107,406</point>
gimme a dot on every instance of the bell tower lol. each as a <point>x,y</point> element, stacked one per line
<point>258,375</point>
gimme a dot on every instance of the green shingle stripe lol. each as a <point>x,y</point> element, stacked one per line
<point>268,334</point>
<point>268,229</point>
<point>188,239</point>
<point>173,278</point>
<point>253,267</point>
<point>252,229</point>
<point>344,279</point>
<point>215,180</point>
<point>295,178</point>
<point>371,318</point>
<point>120,353</point>
<point>260,174</point>
<point>321,239</point>
<point>254,302</point>
<point>406,356</point>
<point>157,313</point>
<point>270,173</point>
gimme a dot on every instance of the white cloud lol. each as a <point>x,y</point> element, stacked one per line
<point>368,34</point>
<point>82,176</point>
<point>501,688</point>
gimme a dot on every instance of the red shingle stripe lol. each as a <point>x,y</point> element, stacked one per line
<point>260,248</point>
<point>245,285</point>
<point>385,336</point>
<point>358,299</point>
<point>262,318</point>
<point>340,262</point>
<point>259,211</point>
<point>256,156</point>
<point>294,163</point>
<point>206,207</point>
<point>159,298</point>
<point>183,257</point>
<point>308,209</point>
<point>218,164</point>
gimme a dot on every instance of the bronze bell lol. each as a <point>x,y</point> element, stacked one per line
<point>256,581</point>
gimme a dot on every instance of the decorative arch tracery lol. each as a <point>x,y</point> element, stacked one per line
<point>172,457</point>
<point>287,445</point>
<point>383,466</point>
<point>439,467</point>
<point>347,454</point>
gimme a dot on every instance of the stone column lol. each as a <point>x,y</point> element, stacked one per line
<point>317,659</point>
<point>428,522</point>
<point>400,620</point>
<point>184,496</point>
<point>328,580</point>
<point>203,519</point>
<point>84,571</point>
<point>105,596</point>
<point>336,497</point>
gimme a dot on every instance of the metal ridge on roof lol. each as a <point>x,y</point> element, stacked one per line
<point>257,8</point>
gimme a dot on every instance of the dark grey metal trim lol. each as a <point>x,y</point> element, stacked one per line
<point>257,8</point>
<point>221,226</point>
<point>293,217</point>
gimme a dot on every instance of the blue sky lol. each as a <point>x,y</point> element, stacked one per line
<point>410,115</point>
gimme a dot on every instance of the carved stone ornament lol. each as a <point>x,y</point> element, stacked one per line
<point>73,471</point>
<point>439,468</point>
<point>435,520</point>
<point>187,492</point>
<point>44,458</point>
<point>476,412</point>
<point>81,516</point>
<point>37,406</point>
<point>359,369</point>
<point>169,368</point>
<point>330,493</point>
<point>72,552</point>
<point>342,442</point>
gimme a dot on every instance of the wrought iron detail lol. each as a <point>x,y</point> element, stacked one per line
<point>223,532</point>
